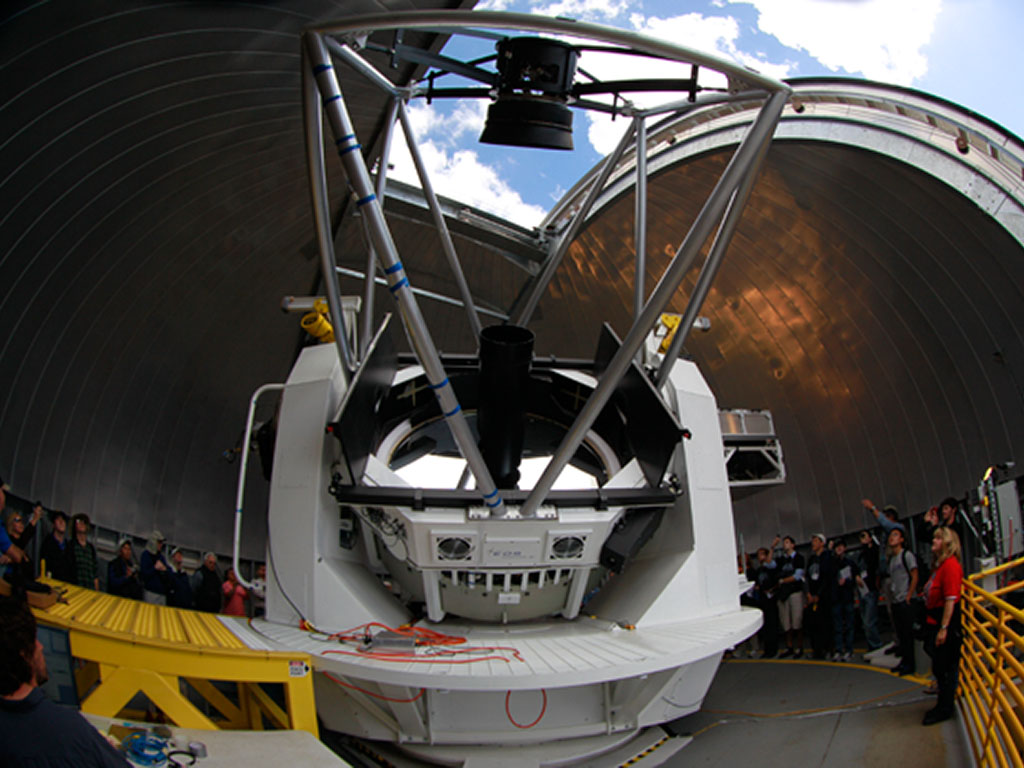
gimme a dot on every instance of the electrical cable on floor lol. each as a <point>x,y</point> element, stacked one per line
<point>143,749</point>
<point>172,761</point>
<point>273,570</point>
<point>803,714</point>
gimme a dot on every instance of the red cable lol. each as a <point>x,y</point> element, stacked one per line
<point>414,659</point>
<point>422,635</point>
<point>417,697</point>
<point>543,709</point>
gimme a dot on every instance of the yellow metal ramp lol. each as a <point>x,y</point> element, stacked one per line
<point>127,646</point>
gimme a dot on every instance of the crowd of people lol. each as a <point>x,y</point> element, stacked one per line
<point>822,597</point>
<point>67,554</point>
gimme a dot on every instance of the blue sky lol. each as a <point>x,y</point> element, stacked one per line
<point>965,51</point>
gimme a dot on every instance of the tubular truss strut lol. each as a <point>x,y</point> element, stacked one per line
<point>723,208</point>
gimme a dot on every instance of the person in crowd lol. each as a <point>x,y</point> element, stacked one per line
<point>20,532</point>
<point>180,595</point>
<point>819,618</point>
<point>235,595</point>
<point>888,518</point>
<point>791,597</point>
<point>34,731</point>
<point>867,588</point>
<point>83,553</point>
<point>55,551</point>
<point>903,575</point>
<point>842,571</point>
<point>942,623</point>
<point>155,571</point>
<point>752,645</point>
<point>123,572</point>
<point>946,514</point>
<point>206,585</point>
<point>10,553</point>
<point>258,601</point>
<point>767,579</point>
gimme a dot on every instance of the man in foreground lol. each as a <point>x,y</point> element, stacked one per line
<point>33,730</point>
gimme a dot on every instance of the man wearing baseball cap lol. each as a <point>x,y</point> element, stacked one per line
<point>55,551</point>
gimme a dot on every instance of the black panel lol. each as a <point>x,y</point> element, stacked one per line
<point>651,428</point>
<point>356,428</point>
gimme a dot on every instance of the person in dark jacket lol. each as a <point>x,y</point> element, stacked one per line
<point>867,588</point>
<point>206,585</point>
<point>180,595</point>
<point>819,610</point>
<point>83,553</point>
<point>123,573</point>
<point>155,571</point>
<point>791,597</point>
<point>767,580</point>
<point>842,572</point>
<point>33,730</point>
<point>55,551</point>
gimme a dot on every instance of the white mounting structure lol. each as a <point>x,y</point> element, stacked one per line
<point>588,616</point>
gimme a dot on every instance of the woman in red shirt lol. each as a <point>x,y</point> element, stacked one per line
<point>942,601</point>
<point>234,595</point>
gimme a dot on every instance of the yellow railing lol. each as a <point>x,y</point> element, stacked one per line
<point>991,671</point>
<point>128,647</point>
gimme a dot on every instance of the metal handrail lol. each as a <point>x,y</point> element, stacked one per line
<point>241,478</point>
<point>991,698</point>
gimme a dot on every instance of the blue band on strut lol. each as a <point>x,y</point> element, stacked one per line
<point>493,504</point>
<point>346,137</point>
<point>400,284</point>
<point>333,98</point>
<point>492,493</point>
<point>351,148</point>
<point>393,268</point>
<point>368,199</point>
<point>321,68</point>
<point>453,411</point>
<point>439,384</point>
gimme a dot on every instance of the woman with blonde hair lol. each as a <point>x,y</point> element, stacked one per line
<point>942,602</point>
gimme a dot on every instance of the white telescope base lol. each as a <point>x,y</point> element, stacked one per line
<point>569,691</point>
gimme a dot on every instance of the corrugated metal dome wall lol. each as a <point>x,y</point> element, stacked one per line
<point>874,310</point>
<point>155,210</point>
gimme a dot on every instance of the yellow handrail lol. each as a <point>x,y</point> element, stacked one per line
<point>991,698</point>
<point>996,569</point>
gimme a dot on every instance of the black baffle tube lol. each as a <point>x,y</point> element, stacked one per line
<point>505,355</point>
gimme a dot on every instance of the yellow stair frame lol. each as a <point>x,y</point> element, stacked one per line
<point>131,647</point>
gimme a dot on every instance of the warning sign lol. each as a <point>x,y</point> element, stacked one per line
<point>298,669</point>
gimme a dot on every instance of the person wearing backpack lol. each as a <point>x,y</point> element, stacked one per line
<point>903,576</point>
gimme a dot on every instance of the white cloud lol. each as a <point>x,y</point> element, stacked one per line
<point>879,38</point>
<point>467,118</point>
<point>710,34</point>
<point>583,9</point>
<point>458,173</point>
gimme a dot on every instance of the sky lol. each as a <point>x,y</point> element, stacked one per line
<point>965,51</point>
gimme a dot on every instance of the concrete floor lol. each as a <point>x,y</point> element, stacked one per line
<point>810,714</point>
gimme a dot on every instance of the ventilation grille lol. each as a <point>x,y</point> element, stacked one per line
<point>568,547</point>
<point>454,548</point>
